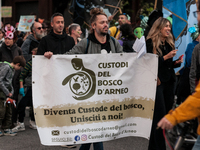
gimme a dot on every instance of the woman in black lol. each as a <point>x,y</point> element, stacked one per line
<point>160,41</point>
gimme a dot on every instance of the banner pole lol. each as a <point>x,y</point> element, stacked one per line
<point>155,5</point>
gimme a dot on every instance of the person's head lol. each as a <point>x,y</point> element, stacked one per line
<point>34,14</point>
<point>1,34</point>
<point>138,32</point>
<point>19,62</point>
<point>123,19</point>
<point>10,36</point>
<point>37,30</point>
<point>197,13</point>
<point>161,30</point>
<point>127,31</point>
<point>34,51</point>
<point>75,30</point>
<point>8,26</point>
<point>57,23</point>
<point>99,22</point>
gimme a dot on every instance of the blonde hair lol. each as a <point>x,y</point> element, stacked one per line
<point>155,35</point>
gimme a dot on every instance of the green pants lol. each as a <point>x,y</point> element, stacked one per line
<point>5,112</point>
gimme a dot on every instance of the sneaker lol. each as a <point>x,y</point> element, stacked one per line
<point>68,146</point>
<point>9,132</point>
<point>32,124</point>
<point>19,127</point>
<point>1,133</point>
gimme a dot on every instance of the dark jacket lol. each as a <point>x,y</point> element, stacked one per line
<point>165,68</point>
<point>127,45</point>
<point>195,68</point>
<point>58,44</point>
<point>8,53</point>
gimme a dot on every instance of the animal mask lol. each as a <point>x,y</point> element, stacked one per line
<point>138,32</point>
<point>9,33</point>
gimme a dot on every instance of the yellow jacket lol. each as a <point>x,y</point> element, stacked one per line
<point>113,31</point>
<point>188,110</point>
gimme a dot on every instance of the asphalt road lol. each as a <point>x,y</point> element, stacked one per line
<point>29,140</point>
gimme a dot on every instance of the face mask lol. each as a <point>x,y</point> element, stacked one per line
<point>138,32</point>
<point>9,34</point>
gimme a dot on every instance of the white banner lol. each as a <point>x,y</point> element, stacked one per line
<point>94,97</point>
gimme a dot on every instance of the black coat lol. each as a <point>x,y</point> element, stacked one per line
<point>165,68</point>
<point>9,53</point>
<point>58,44</point>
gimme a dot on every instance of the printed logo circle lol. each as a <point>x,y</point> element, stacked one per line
<point>84,137</point>
<point>77,138</point>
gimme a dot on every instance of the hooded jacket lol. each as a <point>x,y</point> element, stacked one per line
<point>58,44</point>
<point>95,47</point>
<point>6,75</point>
<point>9,53</point>
<point>29,44</point>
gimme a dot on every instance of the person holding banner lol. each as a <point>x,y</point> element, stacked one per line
<point>160,41</point>
<point>57,41</point>
<point>98,40</point>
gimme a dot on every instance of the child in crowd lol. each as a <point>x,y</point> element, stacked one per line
<point>27,99</point>
<point>6,90</point>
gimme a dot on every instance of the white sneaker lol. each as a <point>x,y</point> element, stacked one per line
<point>19,127</point>
<point>32,124</point>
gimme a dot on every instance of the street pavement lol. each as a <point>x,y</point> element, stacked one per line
<point>29,140</point>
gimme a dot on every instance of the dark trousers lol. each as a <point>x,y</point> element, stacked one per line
<point>163,103</point>
<point>25,101</point>
<point>5,112</point>
<point>15,83</point>
<point>96,146</point>
<point>183,90</point>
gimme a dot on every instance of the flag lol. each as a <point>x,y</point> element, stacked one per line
<point>178,9</point>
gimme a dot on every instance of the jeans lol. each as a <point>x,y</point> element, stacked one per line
<point>96,146</point>
<point>197,144</point>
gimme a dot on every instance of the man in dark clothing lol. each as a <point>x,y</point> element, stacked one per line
<point>32,41</point>
<point>57,41</point>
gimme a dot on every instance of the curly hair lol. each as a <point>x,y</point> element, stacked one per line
<point>94,13</point>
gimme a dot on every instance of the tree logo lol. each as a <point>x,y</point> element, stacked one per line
<point>82,83</point>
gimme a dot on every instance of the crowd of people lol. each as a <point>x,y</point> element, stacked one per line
<point>17,48</point>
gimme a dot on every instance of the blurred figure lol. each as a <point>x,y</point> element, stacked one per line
<point>115,31</point>
<point>186,83</point>
<point>6,91</point>
<point>32,41</point>
<point>127,39</point>
<point>8,51</point>
<point>27,98</point>
<point>75,32</point>
<point>1,37</point>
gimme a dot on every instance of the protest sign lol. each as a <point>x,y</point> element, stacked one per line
<point>25,23</point>
<point>6,11</point>
<point>94,97</point>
